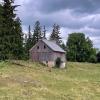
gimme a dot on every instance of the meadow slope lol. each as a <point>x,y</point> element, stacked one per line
<point>32,81</point>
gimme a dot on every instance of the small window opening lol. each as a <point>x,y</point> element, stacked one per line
<point>37,47</point>
<point>44,47</point>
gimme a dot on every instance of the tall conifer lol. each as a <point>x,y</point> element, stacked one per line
<point>37,33</point>
<point>28,44</point>
<point>44,32</point>
<point>55,35</point>
<point>1,40</point>
<point>11,32</point>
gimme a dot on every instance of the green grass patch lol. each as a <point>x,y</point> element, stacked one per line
<point>33,81</point>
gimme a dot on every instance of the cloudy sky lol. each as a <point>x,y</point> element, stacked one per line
<point>71,15</point>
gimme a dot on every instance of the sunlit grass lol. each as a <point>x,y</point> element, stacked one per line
<point>32,81</point>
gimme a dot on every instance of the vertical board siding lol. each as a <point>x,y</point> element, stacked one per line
<point>39,53</point>
<point>60,55</point>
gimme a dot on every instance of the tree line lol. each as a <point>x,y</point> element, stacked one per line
<point>78,47</point>
<point>14,45</point>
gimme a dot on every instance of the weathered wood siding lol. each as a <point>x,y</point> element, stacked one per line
<point>60,55</point>
<point>41,52</point>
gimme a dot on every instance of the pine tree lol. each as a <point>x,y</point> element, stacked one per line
<point>1,19</point>
<point>0,16</point>
<point>29,31</point>
<point>44,32</point>
<point>12,41</point>
<point>55,35</point>
<point>1,41</point>
<point>28,44</point>
<point>18,49</point>
<point>37,33</point>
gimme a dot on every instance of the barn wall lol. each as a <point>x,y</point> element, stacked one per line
<point>41,47</point>
<point>45,55</point>
<point>39,53</point>
<point>60,55</point>
<point>41,56</point>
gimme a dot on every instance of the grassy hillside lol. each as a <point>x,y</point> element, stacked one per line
<point>79,81</point>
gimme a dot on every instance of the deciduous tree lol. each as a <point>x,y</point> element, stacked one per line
<point>79,48</point>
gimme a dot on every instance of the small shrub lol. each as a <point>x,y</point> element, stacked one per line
<point>93,59</point>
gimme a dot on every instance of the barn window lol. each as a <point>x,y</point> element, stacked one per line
<point>37,47</point>
<point>44,47</point>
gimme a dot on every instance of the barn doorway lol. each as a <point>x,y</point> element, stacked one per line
<point>58,62</point>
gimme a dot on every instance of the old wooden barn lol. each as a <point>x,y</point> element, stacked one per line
<point>47,52</point>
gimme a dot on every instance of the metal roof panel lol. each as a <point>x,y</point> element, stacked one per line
<point>53,45</point>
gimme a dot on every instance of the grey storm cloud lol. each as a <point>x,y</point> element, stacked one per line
<point>87,6</point>
<point>71,15</point>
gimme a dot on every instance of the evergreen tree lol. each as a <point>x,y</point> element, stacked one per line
<point>37,33</point>
<point>29,31</point>
<point>44,32</point>
<point>29,44</point>
<point>1,22</point>
<point>1,18</point>
<point>12,42</point>
<point>55,35</point>
<point>18,49</point>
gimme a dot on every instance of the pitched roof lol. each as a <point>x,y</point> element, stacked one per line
<point>53,45</point>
